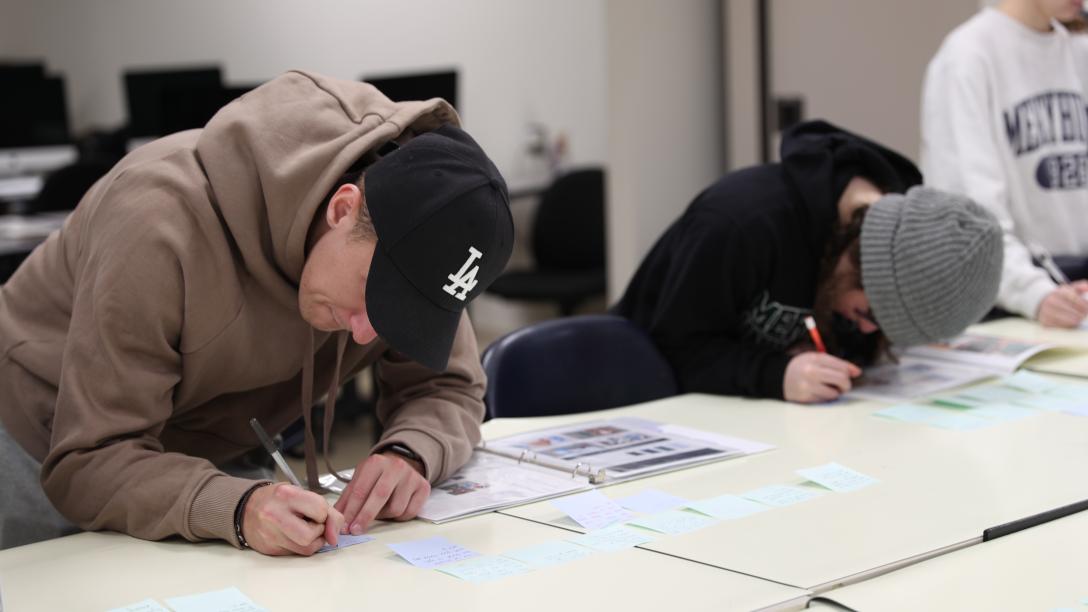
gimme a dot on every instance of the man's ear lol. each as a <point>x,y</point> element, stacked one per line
<point>344,204</point>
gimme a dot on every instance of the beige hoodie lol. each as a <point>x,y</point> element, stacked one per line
<point>137,342</point>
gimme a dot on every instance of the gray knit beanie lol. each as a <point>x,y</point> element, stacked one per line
<point>930,264</point>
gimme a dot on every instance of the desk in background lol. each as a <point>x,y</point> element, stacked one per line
<point>1042,568</point>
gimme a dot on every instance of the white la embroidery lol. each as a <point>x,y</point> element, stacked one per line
<point>465,279</point>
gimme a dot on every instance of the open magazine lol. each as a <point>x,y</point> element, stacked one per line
<point>931,368</point>
<point>546,463</point>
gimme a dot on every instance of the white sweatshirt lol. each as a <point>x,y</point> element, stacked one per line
<point>1004,122</point>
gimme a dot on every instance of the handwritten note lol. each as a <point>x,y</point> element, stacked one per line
<point>674,522</point>
<point>592,510</point>
<point>837,477</point>
<point>943,418</point>
<point>726,507</point>
<point>651,501</point>
<point>549,553</point>
<point>431,552</point>
<point>485,569</point>
<point>1026,381</point>
<point>225,600</point>
<point>147,605</point>
<point>611,539</point>
<point>780,495</point>
<point>343,541</point>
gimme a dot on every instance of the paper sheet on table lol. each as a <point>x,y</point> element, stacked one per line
<point>611,539</point>
<point>431,552</point>
<point>592,510</point>
<point>549,553</point>
<point>225,600</point>
<point>1032,383</point>
<point>727,507</point>
<point>674,522</point>
<point>780,495</point>
<point>147,605</point>
<point>838,478</point>
<point>485,568</point>
<point>344,541</point>
<point>651,501</point>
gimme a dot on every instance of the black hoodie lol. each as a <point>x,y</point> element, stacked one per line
<point>725,290</point>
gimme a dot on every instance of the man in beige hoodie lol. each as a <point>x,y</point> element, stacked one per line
<point>214,274</point>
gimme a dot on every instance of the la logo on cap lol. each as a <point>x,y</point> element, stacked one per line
<point>465,279</point>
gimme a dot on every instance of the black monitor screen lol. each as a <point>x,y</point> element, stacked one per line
<point>161,102</point>
<point>33,111</point>
<point>419,86</point>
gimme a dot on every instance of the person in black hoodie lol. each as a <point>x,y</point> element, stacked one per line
<point>825,233</point>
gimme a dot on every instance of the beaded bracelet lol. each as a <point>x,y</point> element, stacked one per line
<point>239,513</point>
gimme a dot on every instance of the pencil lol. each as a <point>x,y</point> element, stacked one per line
<point>814,333</point>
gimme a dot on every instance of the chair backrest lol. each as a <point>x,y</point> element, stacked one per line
<point>568,228</point>
<point>574,364</point>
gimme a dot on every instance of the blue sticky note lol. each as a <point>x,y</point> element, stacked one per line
<point>837,477</point>
<point>651,501</point>
<point>944,418</point>
<point>1001,412</point>
<point>431,552</point>
<point>993,393</point>
<point>147,605</point>
<point>727,507</point>
<point>780,495</point>
<point>343,541</point>
<point>592,510</point>
<point>485,568</point>
<point>611,539</point>
<point>1026,381</point>
<point>549,553</point>
<point>230,599</point>
<point>673,522</point>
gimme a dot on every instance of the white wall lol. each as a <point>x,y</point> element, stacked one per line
<point>519,61</point>
<point>664,120</point>
<point>860,63</point>
<point>741,57</point>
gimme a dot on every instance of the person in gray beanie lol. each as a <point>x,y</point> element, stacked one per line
<point>837,232</point>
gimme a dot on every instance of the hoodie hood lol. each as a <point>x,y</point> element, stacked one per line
<point>272,156</point>
<point>819,159</point>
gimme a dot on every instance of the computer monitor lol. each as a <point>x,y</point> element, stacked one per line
<point>162,102</point>
<point>417,86</point>
<point>34,134</point>
<point>33,110</point>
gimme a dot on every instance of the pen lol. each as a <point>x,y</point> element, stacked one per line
<point>1048,264</point>
<point>814,333</point>
<point>272,450</point>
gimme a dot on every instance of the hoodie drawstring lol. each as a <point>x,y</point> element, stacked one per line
<point>312,480</point>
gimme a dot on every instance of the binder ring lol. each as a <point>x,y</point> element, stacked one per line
<point>522,455</point>
<point>574,472</point>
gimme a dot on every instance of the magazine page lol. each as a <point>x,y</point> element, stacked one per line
<point>913,378</point>
<point>618,447</point>
<point>1001,355</point>
<point>488,482</point>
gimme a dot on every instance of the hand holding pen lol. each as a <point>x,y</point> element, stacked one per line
<point>284,519</point>
<point>1067,305</point>
<point>815,376</point>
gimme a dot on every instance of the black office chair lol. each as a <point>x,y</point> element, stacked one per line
<point>567,244</point>
<point>574,364</point>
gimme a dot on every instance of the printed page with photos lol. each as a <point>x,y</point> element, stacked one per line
<point>489,481</point>
<point>545,463</point>
<point>933,368</point>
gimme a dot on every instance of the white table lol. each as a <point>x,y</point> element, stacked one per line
<point>99,571</point>
<point>1042,568</point>
<point>939,489</point>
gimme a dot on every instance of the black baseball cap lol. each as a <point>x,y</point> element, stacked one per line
<point>441,213</point>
